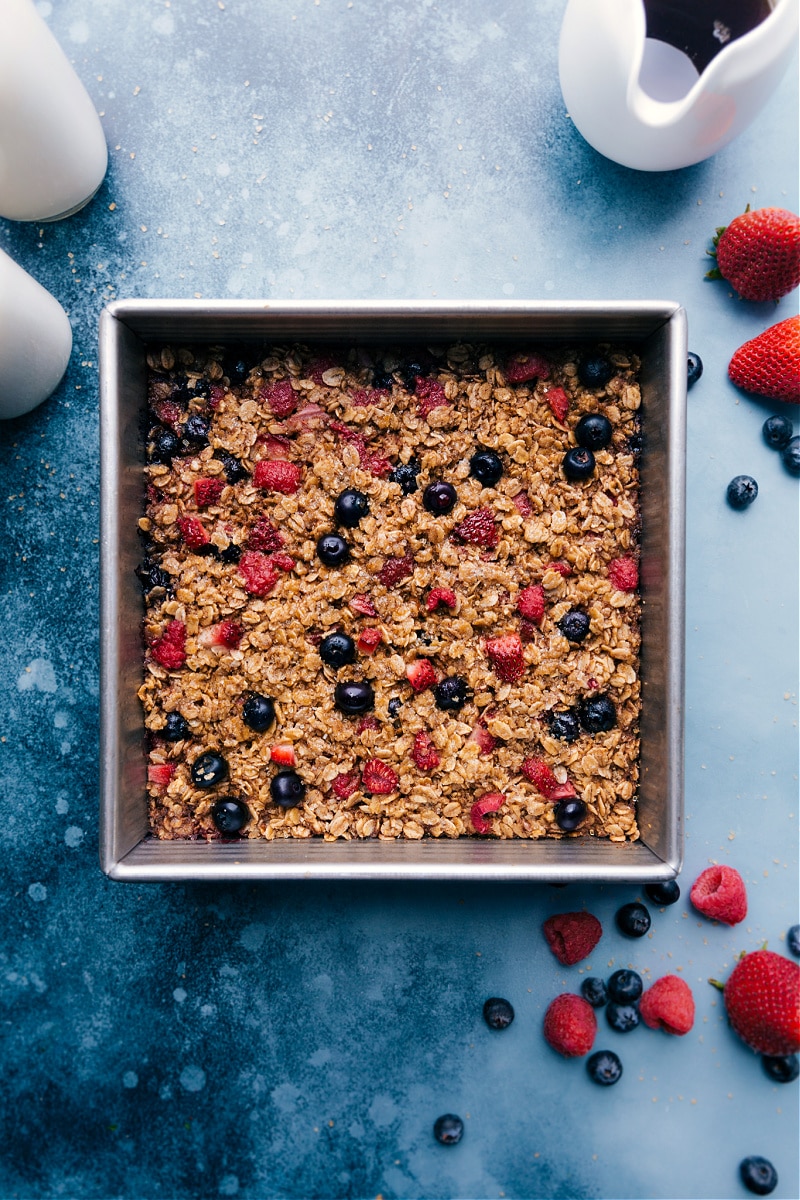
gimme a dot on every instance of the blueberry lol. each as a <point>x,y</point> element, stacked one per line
<point>406,475</point>
<point>451,693</point>
<point>164,445</point>
<point>595,372</point>
<point>622,1017</point>
<point>448,1129</point>
<point>594,990</point>
<point>439,498</point>
<point>758,1175</point>
<point>578,463</point>
<point>237,370</point>
<point>229,814</point>
<point>784,1069</point>
<point>231,554</point>
<point>351,507</point>
<point>196,430</point>
<point>151,576</point>
<point>354,698</point>
<point>694,368</point>
<point>635,444</point>
<point>409,372</point>
<point>337,650</point>
<point>382,379</point>
<point>597,714</point>
<point>565,725</point>
<point>664,893</point>
<point>176,728</point>
<point>742,491</point>
<point>486,466</point>
<point>498,1013</point>
<point>287,789</point>
<point>625,987</point>
<point>593,431</point>
<point>604,1067</point>
<point>332,550</point>
<point>258,712</point>
<point>790,455</point>
<point>793,940</point>
<point>574,625</point>
<point>394,706</point>
<point>569,814</point>
<point>202,387</point>
<point>777,432</point>
<point>633,920</point>
<point>234,471</point>
<point>209,769</point>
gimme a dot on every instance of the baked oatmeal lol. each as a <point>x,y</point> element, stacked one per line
<point>392,594</point>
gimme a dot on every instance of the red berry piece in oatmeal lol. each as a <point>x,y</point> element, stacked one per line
<point>482,738</point>
<point>281,397</point>
<point>275,446</point>
<point>170,649</point>
<point>440,596</point>
<point>561,567</point>
<point>378,778</point>
<point>541,776</point>
<point>283,754</point>
<point>193,533</point>
<point>277,475</point>
<point>558,400</point>
<point>526,366</point>
<point>530,603</point>
<point>523,504</point>
<point>207,492</point>
<point>160,774</point>
<point>424,752</point>
<point>365,397</point>
<point>368,640</point>
<point>478,529</point>
<point>362,604</point>
<point>624,574</point>
<point>368,725</point>
<point>345,784</point>
<point>420,674</point>
<point>265,536</point>
<point>507,657</point>
<point>395,570</point>
<point>226,634</point>
<point>258,573</point>
<point>491,802</point>
<point>430,394</point>
<point>284,562</point>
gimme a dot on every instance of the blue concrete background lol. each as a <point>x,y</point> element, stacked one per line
<point>299,1040</point>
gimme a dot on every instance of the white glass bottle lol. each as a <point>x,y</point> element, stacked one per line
<point>53,153</point>
<point>35,341</point>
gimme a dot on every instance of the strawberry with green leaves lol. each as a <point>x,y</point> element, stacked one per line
<point>759,253</point>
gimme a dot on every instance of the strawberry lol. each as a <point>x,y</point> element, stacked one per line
<point>438,596</point>
<point>207,491</point>
<point>264,536</point>
<point>281,397</point>
<point>769,364</point>
<point>668,1005</point>
<point>258,573</point>
<point>506,656</point>
<point>530,603</point>
<point>378,778</point>
<point>623,574</point>
<point>420,674</point>
<point>345,784</point>
<point>362,604</point>
<point>558,400</point>
<point>482,738</point>
<point>430,395</point>
<point>160,774</point>
<point>275,446</point>
<point>719,893</point>
<point>561,567</point>
<point>545,782</point>
<point>424,752</point>
<point>395,570</point>
<point>283,755</point>
<point>227,634</point>
<point>193,533</point>
<point>523,504</point>
<point>368,640</point>
<point>277,475</point>
<point>170,649</point>
<point>762,999</point>
<point>759,253</point>
<point>523,367</point>
<point>488,803</point>
<point>570,1025</point>
<point>478,529</point>
<point>572,936</point>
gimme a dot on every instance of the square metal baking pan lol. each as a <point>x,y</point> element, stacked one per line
<point>655,329</point>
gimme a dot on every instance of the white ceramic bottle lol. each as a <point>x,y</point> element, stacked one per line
<point>35,341</point>
<point>53,153</point>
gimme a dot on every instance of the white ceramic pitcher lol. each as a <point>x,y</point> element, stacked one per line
<point>35,341</point>
<point>662,84</point>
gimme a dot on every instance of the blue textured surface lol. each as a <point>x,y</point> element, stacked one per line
<point>299,1041</point>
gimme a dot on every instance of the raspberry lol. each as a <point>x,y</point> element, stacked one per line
<point>265,536</point>
<point>570,1025</point>
<point>216,396</point>
<point>545,781</point>
<point>523,504</point>
<point>283,755</point>
<point>439,596</point>
<point>563,568</point>
<point>193,533</point>
<point>378,778</point>
<point>362,604</point>
<point>506,656</point>
<point>478,528</point>
<point>558,400</point>
<point>275,447</point>
<point>522,368</point>
<point>395,570</point>
<point>362,398</point>
<point>277,475</point>
<point>528,631</point>
<point>369,640</point>
<point>368,724</point>
<point>227,634</point>
<point>623,574</point>
<point>170,649</point>
<point>318,367</point>
<point>284,562</point>
<point>430,394</point>
<point>168,412</point>
<point>345,784</point>
<point>424,752</point>
<point>719,893</point>
<point>482,738</point>
<point>668,1005</point>
<point>420,674</point>
<point>530,603</point>
<point>207,491</point>
<point>160,774</point>
<point>489,803</point>
<point>375,464</point>
<point>281,397</point>
<point>258,573</point>
<point>572,936</point>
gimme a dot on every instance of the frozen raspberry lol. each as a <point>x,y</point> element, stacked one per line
<point>193,533</point>
<point>570,1025</point>
<point>489,803</point>
<point>283,755</point>
<point>430,395</point>
<point>561,567</point>
<point>424,752</point>
<point>362,604</point>
<point>572,936</point>
<point>207,491</point>
<point>170,649</point>
<point>368,640</point>
<point>265,536</point>
<point>345,784</point>
<point>507,657</point>
<point>281,397</point>
<point>545,782</point>
<point>277,475</point>
<point>227,634</point>
<point>378,778</point>
<point>478,529</point>
<point>395,570</point>
<point>523,367</point>
<point>668,1005</point>
<point>482,738</point>
<point>283,562</point>
<point>623,574</point>
<point>438,596</point>
<point>420,674</point>
<point>558,400</point>
<point>258,573</point>
<point>719,893</point>
<point>530,603</point>
<point>523,504</point>
<point>160,774</point>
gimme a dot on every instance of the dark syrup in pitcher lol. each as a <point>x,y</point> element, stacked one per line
<point>701,28</point>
